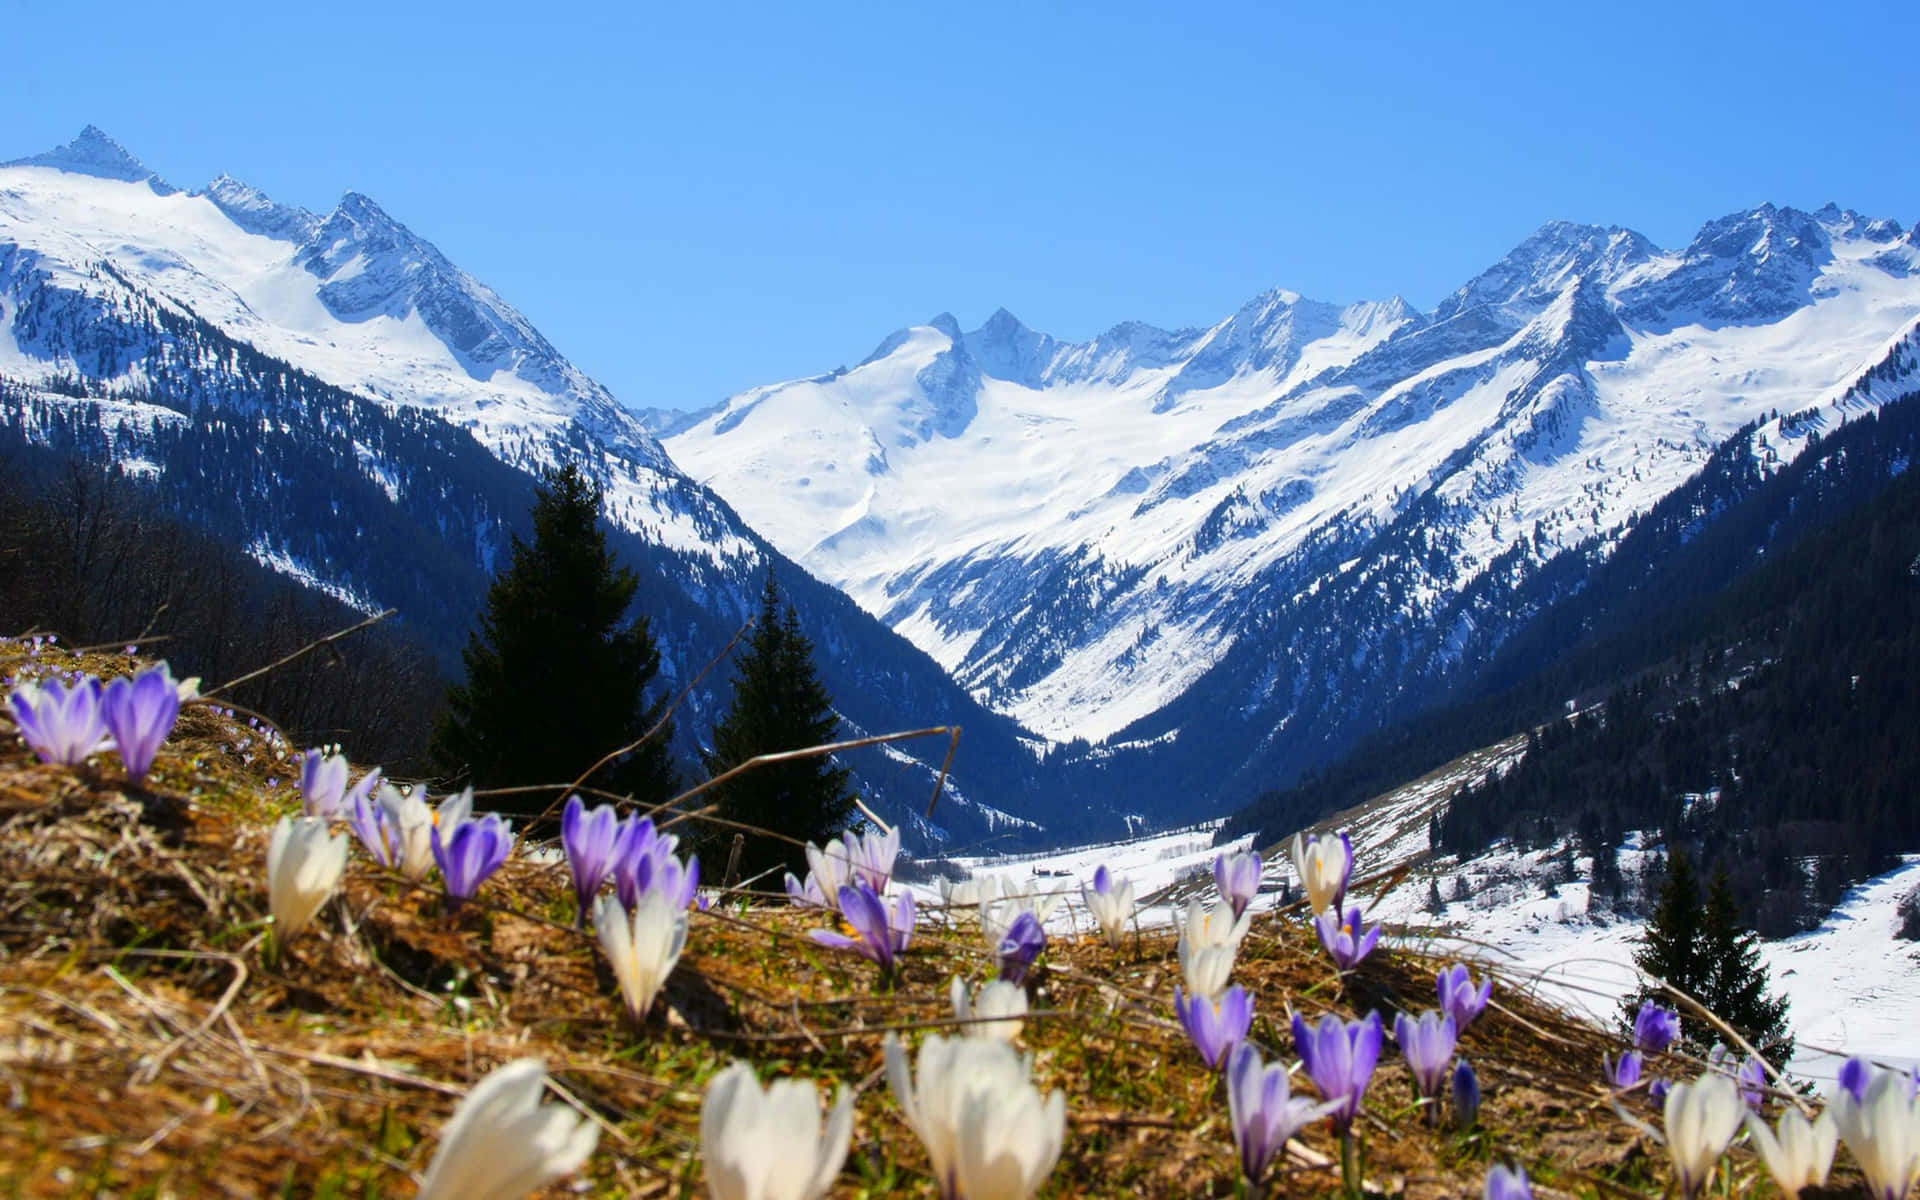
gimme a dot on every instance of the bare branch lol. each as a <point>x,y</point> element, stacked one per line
<point>310,647</point>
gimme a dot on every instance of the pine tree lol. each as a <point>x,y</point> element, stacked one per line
<point>1706,952</point>
<point>779,704</point>
<point>555,679</point>
<point>1670,947</point>
<point>1737,986</point>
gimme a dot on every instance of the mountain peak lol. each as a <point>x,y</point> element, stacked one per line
<point>94,153</point>
<point>946,324</point>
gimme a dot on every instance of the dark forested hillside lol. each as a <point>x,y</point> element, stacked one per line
<point>94,557</point>
<point>1794,584</point>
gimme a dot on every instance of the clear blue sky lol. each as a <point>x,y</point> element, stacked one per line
<point>693,200</point>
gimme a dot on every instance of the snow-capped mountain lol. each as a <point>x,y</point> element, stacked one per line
<point>329,392</point>
<point>1082,531</point>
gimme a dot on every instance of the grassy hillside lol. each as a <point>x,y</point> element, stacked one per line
<point>151,1047</point>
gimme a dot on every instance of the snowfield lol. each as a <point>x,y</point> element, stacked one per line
<point>1854,989</point>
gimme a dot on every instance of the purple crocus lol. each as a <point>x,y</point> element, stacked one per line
<point>471,850</point>
<point>1237,876</point>
<point>1264,1109</point>
<point>1655,1028</point>
<point>1466,1095</point>
<point>1215,1023</point>
<point>643,860</point>
<point>1752,1078</point>
<point>1340,1056</point>
<point>1458,997</point>
<point>1855,1074</point>
<point>1427,1044</point>
<point>1508,1183</point>
<point>1024,940</point>
<point>877,934</point>
<point>1346,944</point>
<point>1657,1090</point>
<point>139,713</point>
<point>1623,1074</point>
<point>323,785</point>
<point>63,724</point>
<point>590,837</point>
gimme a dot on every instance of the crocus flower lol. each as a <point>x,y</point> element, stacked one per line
<point>1855,1074</point>
<point>987,1130</point>
<point>1623,1074</point>
<point>644,860</point>
<point>323,785</point>
<point>1466,1095</point>
<point>304,865</point>
<point>1343,938</point>
<point>139,713</point>
<point>502,1143</point>
<point>1798,1154</point>
<point>468,850</point>
<point>1324,864</point>
<point>1508,1183</point>
<point>1024,941</point>
<point>871,856</point>
<point>829,870</point>
<point>406,826</point>
<point>1215,1023</point>
<point>1264,1109</point>
<point>1426,1042</point>
<point>1340,1057</point>
<point>767,1144</point>
<point>1883,1131</point>
<point>1005,1003</point>
<point>968,893</point>
<point>62,724</point>
<point>1701,1118</point>
<point>877,934</point>
<point>1657,1090</point>
<point>1209,940</point>
<point>643,945</point>
<point>1655,1028</point>
<point>1752,1078</point>
<point>1459,998</point>
<point>1237,876</point>
<point>997,916</point>
<point>1111,904</point>
<point>589,837</point>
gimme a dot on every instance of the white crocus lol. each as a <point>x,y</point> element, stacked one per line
<point>1209,941</point>
<point>407,812</point>
<point>1112,907</point>
<point>644,946</point>
<point>1007,1002</point>
<point>501,1143</point>
<point>1702,1118</point>
<point>766,1144</point>
<point>1883,1131</point>
<point>304,864</point>
<point>987,1130</point>
<point>969,893</point>
<point>1800,1154</point>
<point>1324,865</point>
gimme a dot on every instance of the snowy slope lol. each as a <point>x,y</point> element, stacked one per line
<point>1852,987</point>
<point>1080,531</point>
<point>354,298</point>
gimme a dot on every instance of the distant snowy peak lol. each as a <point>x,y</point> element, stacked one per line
<point>252,210</point>
<point>353,297</point>
<point>94,153</point>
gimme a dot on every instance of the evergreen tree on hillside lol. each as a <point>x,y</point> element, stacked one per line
<point>1670,947</point>
<point>1737,988</point>
<point>779,704</point>
<point>556,676</point>
<point>1706,952</point>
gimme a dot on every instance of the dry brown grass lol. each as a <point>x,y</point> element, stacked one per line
<point>147,1048</point>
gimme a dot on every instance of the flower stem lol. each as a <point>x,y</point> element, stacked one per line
<point>1350,1163</point>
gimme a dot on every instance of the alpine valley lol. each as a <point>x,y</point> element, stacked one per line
<point>1151,575</point>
